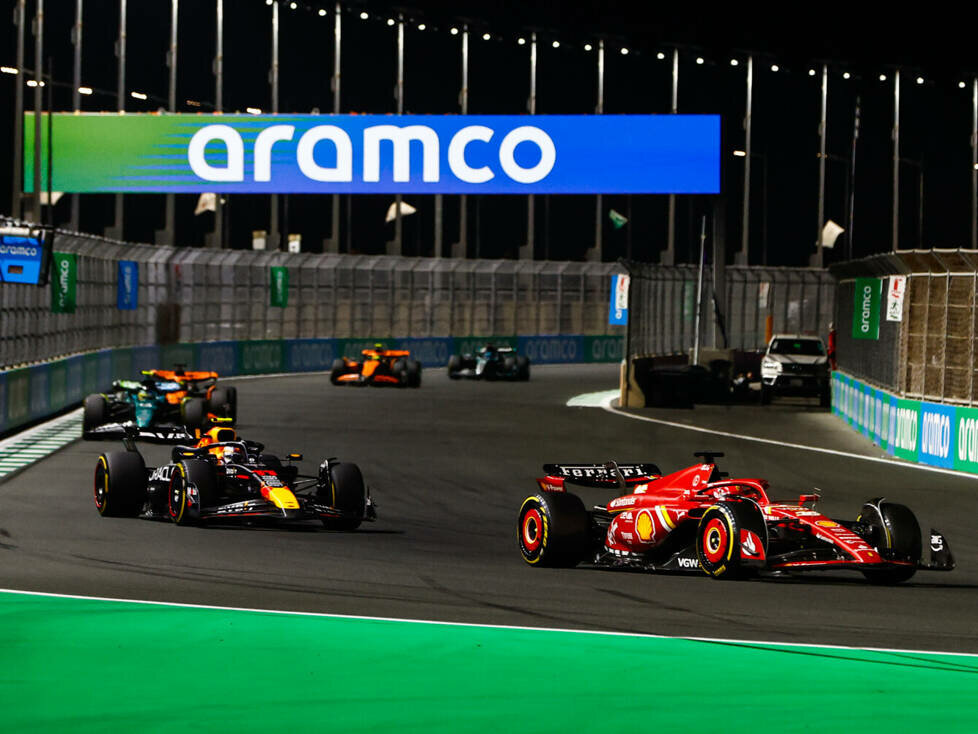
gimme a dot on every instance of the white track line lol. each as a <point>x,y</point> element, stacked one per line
<point>606,404</point>
<point>519,628</point>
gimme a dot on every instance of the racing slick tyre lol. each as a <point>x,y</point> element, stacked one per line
<point>896,534</point>
<point>345,492</point>
<point>413,370</point>
<point>193,412</point>
<point>454,365</point>
<point>224,402</point>
<point>731,539</point>
<point>120,484</point>
<point>509,368</point>
<point>553,530</point>
<point>193,485</point>
<point>95,412</point>
<point>523,368</point>
<point>336,371</point>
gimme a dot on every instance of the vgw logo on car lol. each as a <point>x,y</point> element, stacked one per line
<point>399,137</point>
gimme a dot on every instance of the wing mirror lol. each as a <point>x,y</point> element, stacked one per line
<point>294,457</point>
<point>813,498</point>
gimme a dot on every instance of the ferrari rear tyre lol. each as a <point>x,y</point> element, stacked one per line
<point>731,538</point>
<point>193,412</point>
<point>95,411</point>
<point>193,485</point>
<point>523,368</point>
<point>347,493</point>
<point>454,365</point>
<point>413,373</point>
<point>120,484</point>
<point>552,530</point>
<point>896,534</point>
<point>336,371</point>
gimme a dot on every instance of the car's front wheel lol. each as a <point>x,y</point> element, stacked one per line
<point>193,485</point>
<point>552,530</point>
<point>345,492</point>
<point>120,484</point>
<point>895,532</point>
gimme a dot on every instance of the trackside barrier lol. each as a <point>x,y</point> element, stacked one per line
<point>927,433</point>
<point>31,393</point>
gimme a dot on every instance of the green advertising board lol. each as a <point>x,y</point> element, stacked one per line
<point>64,282</point>
<point>279,286</point>
<point>966,440</point>
<point>866,308</point>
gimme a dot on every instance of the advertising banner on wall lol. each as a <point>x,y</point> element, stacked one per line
<point>64,282</point>
<point>618,309</point>
<point>279,285</point>
<point>383,154</point>
<point>895,293</point>
<point>866,309</point>
<point>128,297</point>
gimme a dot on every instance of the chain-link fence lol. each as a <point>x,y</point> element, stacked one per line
<point>194,295</point>
<point>738,306</point>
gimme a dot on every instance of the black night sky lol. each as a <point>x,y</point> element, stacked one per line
<point>935,128</point>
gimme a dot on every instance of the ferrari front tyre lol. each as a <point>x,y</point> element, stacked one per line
<point>523,368</point>
<point>193,485</point>
<point>95,412</point>
<point>552,530</point>
<point>120,484</point>
<point>728,534</point>
<point>193,411</point>
<point>413,373</point>
<point>896,534</point>
<point>336,371</point>
<point>346,492</point>
<point>454,365</point>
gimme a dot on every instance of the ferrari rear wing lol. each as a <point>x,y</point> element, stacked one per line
<point>611,474</point>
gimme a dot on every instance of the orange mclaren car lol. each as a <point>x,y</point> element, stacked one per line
<point>378,366</point>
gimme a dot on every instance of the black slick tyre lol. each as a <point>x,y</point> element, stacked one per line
<point>552,530</point>
<point>193,411</point>
<point>94,413</point>
<point>731,540</point>
<point>896,534</point>
<point>224,402</point>
<point>454,365</point>
<point>120,484</point>
<point>336,371</point>
<point>345,492</point>
<point>523,368</point>
<point>413,370</point>
<point>192,485</point>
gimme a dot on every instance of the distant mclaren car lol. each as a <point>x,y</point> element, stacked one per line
<point>490,363</point>
<point>166,405</point>
<point>222,478</point>
<point>378,366</point>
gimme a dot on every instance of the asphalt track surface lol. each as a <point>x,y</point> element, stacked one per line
<point>449,465</point>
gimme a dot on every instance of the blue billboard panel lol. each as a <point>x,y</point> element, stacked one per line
<point>375,154</point>
<point>128,295</point>
<point>21,255</point>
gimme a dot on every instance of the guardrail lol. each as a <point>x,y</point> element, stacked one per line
<point>31,393</point>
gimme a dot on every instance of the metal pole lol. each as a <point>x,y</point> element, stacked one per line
<point>169,228</point>
<point>76,40</point>
<point>743,258</point>
<point>699,294</point>
<point>595,253</point>
<point>219,107</point>
<point>974,163</point>
<point>526,252</point>
<point>463,202</point>
<point>852,177</point>
<point>274,237</point>
<point>896,161</point>
<point>116,230</point>
<point>337,37</point>
<point>17,187</point>
<point>50,156</point>
<point>821,166</point>
<point>397,247</point>
<point>669,256</point>
<point>38,77</point>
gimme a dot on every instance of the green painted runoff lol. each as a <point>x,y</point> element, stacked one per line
<point>85,665</point>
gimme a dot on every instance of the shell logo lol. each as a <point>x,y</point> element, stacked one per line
<point>645,526</point>
<point>827,524</point>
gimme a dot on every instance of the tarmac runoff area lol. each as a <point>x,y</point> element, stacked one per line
<point>449,465</point>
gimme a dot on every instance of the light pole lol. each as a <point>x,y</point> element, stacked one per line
<point>763,158</point>
<point>817,261</point>
<point>395,247</point>
<point>17,188</point>
<point>274,237</point>
<point>896,160</point>
<point>218,237</point>
<point>76,40</point>
<point>116,230</point>
<point>594,254</point>
<point>974,163</point>
<point>334,237</point>
<point>167,236</point>
<point>460,248</point>
<point>743,256</point>
<point>668,257</point>
<point>526,251</point>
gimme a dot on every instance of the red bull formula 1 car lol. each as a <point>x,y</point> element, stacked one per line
<point>378,366</point>
<point>700,519</point>
<point>223,477</point>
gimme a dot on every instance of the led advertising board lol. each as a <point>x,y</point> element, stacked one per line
<point>25,255</point>
<point>375,154</point>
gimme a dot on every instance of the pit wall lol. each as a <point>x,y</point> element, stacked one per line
<point>31,393</point>
<point>927,433</point>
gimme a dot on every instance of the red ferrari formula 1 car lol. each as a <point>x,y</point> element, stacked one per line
<point>699,519</point>
<point>378,366</point>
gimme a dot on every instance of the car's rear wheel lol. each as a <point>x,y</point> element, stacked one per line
<point>193,412</point>
<point>552,530</point>
<point>454,365</point>
<point>193,485</point>
<point>120,484</point>
<point>896,534</point>
<point>523,367</point>
<point>94,413</point>
<point>413,370</point>
<point>336,371</point>
<point>345,492</point>
<point>224,402</point>
<point>731,539</point>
